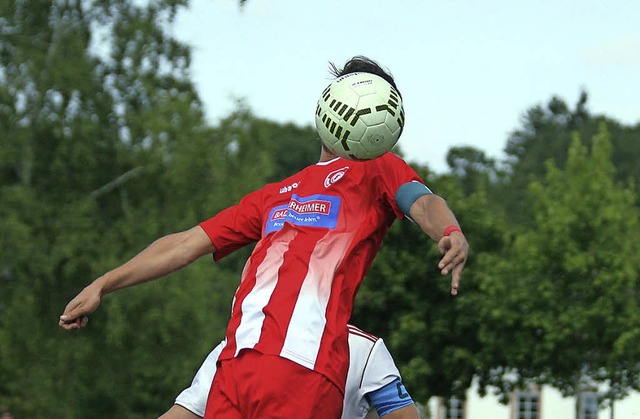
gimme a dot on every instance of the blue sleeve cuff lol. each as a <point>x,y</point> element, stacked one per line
<point>390,398</point>
<point>407,194</point>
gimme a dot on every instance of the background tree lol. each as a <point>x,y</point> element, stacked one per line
<point>83,137</point>
<point>547,133</point>
<point>564,293</point>
<point>475,171</point>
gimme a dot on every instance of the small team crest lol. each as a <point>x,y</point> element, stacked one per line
<point>335,176</point>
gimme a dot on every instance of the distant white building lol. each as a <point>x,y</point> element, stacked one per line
<point>542,402</point>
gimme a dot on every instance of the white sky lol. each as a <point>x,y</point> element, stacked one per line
<point>467,70</point>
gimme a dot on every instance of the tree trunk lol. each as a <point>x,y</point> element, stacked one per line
<point>611,411</point>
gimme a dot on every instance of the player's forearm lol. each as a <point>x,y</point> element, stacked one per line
<point>433,215</point>
<point>164,256</point>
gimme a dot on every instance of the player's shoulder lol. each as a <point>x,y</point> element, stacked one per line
<point>391,157</point>
<point>360,337</point>
<point>387,161</point>
<point>288,184</point>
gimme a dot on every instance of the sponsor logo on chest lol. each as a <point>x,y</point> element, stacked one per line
<point>310,211</point>
<point>314,206</point>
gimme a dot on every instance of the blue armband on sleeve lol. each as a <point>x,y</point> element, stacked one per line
<point>390,398</point>
<point>407,194</point>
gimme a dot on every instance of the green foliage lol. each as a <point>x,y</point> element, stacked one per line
<point>546,134</point>
<point>92,132</point>
<point>565,292</point>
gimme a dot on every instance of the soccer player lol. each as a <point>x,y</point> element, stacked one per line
<point>373,381</point>
<point>316,233</point>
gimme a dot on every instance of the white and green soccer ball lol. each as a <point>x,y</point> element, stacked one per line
<point>359,116</point>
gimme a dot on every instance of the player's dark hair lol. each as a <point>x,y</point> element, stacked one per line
<point>362,64</point>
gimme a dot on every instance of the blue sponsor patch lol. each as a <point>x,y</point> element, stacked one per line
<point>311,211</point>
<point>277,217</point>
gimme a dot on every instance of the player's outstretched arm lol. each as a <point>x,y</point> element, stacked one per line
<point>165,255</point>
<point>433,215</point>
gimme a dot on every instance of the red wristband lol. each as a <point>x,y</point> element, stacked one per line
<point>451,229</point>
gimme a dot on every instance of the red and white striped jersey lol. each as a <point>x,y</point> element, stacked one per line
<point>317,233</point>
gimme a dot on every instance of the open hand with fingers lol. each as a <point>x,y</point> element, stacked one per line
<point>455,249</point>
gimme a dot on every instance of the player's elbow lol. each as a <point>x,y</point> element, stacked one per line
<point>191,245</point>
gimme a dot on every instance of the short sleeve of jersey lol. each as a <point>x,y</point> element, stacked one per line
<point>194,398</point>
<point>393,172</point>
<point>236,226</point>
<point>380,369</point>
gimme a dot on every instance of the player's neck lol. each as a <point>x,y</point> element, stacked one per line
<point>326,155</point>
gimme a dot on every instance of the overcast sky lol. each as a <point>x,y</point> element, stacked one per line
<point>467,70</point>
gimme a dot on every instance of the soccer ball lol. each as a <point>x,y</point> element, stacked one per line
<point>359,116</point>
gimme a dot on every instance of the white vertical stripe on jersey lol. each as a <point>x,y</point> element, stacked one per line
<point>252,317</point>
<point>308,320</point>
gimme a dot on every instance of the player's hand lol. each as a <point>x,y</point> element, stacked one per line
<point>455,250</point>
<point>75,314</point>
